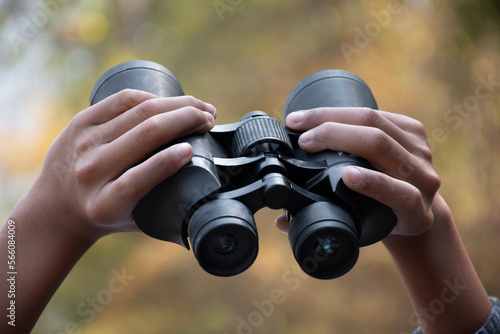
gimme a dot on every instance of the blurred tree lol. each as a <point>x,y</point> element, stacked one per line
<point>421,58</point>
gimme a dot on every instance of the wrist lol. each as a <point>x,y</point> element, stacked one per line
<point>436,269</point>
<point>443,222</point>
<point>52,220</point>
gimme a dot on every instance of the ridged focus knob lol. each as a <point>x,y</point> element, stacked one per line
<point>261,134</point>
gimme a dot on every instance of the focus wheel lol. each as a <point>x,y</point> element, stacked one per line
<point>261,134</point>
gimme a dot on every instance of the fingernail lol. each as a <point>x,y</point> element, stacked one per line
<point>183,150</point>
<point>211,109</point>
<point>355,175</point>
<point>210,118</point>
<point>305,137</point>
<point>296,117</point>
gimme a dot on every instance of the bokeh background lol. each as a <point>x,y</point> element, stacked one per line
<point>437,61</point>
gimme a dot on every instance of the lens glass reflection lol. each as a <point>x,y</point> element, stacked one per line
<point>225,243</point>
<point>326,245</point>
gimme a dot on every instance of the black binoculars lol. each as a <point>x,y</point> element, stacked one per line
<point>239,168</point>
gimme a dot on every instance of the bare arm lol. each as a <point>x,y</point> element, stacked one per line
<point>443,286</point>
<point>43,256</point>
<point>93,176</point>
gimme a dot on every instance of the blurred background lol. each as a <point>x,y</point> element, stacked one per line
<point>436,61</point>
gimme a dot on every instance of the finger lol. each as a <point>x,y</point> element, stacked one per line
<point>370,143</point>
<point>135,145</point>
<point>381,150</point>
<point>112,106</point>
<point>307,119</point>
<point>414,135</point>
<point>118,198</point>
<point>303,120</point>
<point>406,123</point>
<point>282,223</point>
<point>405,200</point>
<point>143,111</point>
<point>397,126</point>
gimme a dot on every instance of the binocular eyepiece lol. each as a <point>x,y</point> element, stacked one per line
<point>239,168</point>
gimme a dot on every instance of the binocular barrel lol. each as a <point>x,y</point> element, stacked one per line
<point>137,74</point>
<point>239,168</point>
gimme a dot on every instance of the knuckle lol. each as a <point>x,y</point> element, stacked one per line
<point>194,114</point>
<point>416,127</point>
<point>127,95</point>
<point>425,152</point>
<point>86,172</point>
<point>324,132</point>
<point>327,127</point>
<point>125,189</point>
<point>369,117</point>
<point>87,141</point>
<point>191,100</point>
<point>378,141</point>
<point>148,108</point>
<point>433,181</point>
<point>151,129</point>
<point>83,145</point>
<point>411,200</point>
<point>132,97</point>
<point>79,122</point>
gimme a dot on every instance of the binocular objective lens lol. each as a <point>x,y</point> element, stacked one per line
<point>224,237</point>
<point>324,240</point>
<point>325,246</point>
<point>225,243</point>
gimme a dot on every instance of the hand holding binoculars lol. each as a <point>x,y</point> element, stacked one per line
<point>239,168</point>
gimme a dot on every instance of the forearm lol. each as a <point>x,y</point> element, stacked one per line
<point>443,286</point>
<point>94,174</point>
<point>445,291</point>
<point>43,257</point>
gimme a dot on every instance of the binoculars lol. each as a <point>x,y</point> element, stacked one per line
<point>239,168</point>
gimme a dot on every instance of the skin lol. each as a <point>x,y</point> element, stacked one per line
<point>99,167</point>
<point>93,176</point>
<point>425,243</point>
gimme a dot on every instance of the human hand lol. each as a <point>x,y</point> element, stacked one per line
<point>100,166</point>
<point>394,144</point>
